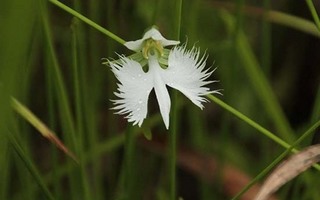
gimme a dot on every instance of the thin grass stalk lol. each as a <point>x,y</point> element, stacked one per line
<point>79,111</point>
<point>249,121</point>
<point>265,57</point>
<point>279,159</point>
<point>199,139</point>
<point>64,108</point>
<point>112,127</point>
<point>16,39</point>
<point>30,166</point>
<point>263,88</point>
<point>314,13</point>
<point>258,127</point>
<point>192,19</point>
<point>90,98</point>
<point>125,184</point>
<point>173,146</point>
<point>16,35</point>
<point>22,171</point>
<point>52,123</point>
<point>130,163</point>
<point>59,83</point>
<point>174,115</point>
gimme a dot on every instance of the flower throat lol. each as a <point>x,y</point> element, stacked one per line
<point>152,48</point>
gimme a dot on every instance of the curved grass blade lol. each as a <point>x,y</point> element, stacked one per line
<point>288,170</point>
<point>41,127</point>
<point>33,170</point>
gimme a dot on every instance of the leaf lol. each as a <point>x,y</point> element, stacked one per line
<point>288,170</point>
<point>41,127</point>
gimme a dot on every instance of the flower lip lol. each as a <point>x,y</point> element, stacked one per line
<point>153,34</point>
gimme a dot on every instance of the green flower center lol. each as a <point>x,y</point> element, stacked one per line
<point>152,48</point>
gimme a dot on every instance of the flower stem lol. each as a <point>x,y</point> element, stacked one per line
<point>250,122</point>
<point>88,21</point>
<point>178,19</point>
<point>174,118</point>
<point>129,163</point>
<point>173,147</point>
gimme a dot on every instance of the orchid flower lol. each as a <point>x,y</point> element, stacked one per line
<point>154,68</point>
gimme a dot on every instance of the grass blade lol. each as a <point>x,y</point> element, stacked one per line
<point>41,127</point>
<point>289,169</point>
<point>27,161</point>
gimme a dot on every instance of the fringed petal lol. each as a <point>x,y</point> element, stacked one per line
<point>134,88</point>
<point>186,73</point>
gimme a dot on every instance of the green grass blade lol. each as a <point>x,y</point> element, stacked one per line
<point>259,82</point>
<point>40,126</point>
<point>314,13</point>
<point>30,166</point>
<point>279,159</point>
<point>263,88</point>
<point>66,118</point>
<point>249,121</point>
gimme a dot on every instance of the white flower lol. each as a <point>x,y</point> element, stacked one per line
<point>184,72</point>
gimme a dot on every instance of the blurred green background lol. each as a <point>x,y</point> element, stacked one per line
<point>267,59</point>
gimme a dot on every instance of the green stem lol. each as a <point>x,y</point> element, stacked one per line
<point>129,163</point>
<point>314,13</point>
<point>79,111</point>
<point>263,88</point>
<point>178,19</point>
<point>66,117</point>
<point>88,21</point>
<point>278,159</point>
<point>56,184</point>
<point>174,118</point>
<point>250,122</point>
<point>289,148</point>
<point>173,146</point>
<point>30,166</point>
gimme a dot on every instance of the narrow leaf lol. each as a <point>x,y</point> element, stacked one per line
<point>289,169</point>
<point>40,126</point>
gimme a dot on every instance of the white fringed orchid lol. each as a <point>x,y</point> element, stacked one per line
<point>179,68</point>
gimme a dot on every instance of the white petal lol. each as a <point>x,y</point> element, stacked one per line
<point>186,73</point>
<point>152,33</point>
<point>134,45</point>
<point>160,90</point>
<point>133,90</point>
<point>156,35</point>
